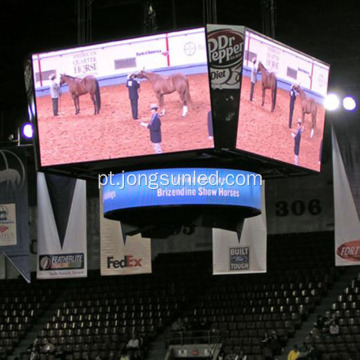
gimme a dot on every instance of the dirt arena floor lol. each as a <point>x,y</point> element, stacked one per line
<point>70,138</point>
<point>267,133</point>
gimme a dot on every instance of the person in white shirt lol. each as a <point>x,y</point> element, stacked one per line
<point>54,93</point>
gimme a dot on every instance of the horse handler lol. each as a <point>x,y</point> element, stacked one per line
<point>155,128</point>
<point>133,87</point>
<point>297,139</point>
<point>292,94</point>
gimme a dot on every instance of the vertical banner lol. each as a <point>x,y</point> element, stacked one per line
<point>244,252</point>
<point>225,56</point>
<point>122,254</point>
<point>14,216</point>
<point>347,225</point>
<point>62,245</point>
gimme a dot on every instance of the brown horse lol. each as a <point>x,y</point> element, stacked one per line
<point>83,86</point>
<point>268,81</point>
<point>163,85</point>
<point>308,106</point>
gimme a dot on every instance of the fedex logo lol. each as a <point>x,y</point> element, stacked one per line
<point>127,261</point>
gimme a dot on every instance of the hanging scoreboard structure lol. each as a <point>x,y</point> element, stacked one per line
<point>227,98</point>
<point>223,94</point>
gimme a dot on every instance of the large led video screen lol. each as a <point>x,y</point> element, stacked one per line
<point>159,198</point>
<point>282,111</point>
<point>180,186</point>
<point>123,99</point>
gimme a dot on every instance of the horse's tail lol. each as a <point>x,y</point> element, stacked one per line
<point>97,96</point>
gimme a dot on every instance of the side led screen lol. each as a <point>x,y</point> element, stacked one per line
<point>282,111</point>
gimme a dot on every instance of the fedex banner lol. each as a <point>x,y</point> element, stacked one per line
<point>122,254</point>
<point>181,186</point>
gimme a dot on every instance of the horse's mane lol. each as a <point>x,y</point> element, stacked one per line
<point>262,66</point>
<point>300,90</point>
<point>69,76</point>
<point>150,73</point>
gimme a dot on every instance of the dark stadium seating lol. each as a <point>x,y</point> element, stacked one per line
<point>20,305</point>
<point>346,311</point>
<point>96,315</point>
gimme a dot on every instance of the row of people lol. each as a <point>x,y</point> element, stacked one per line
<point>134,350</point>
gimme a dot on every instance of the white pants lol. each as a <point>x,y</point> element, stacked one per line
<point>157,148</point>
<point>296,159</point>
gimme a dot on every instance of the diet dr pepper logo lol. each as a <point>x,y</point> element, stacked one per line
<point>225,48</point>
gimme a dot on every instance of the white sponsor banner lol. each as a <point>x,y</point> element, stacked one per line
<point>182,48</point>
<point>67,258</point>
<point>121,254</point>
<point>347,225</point>
<point>7,224</point>
<point>232,255</point>
<point>286,63</point>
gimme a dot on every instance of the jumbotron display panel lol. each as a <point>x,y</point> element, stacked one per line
<point>182,196</point>
<point>181,186</point>
<point>106,123</point>
<point>282,113</point>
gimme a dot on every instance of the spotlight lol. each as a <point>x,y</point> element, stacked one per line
<point>349,103</point>
<point>27,130</point>
<point>331,102</point>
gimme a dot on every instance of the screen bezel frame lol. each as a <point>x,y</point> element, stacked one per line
<point>80,169</point>
<point>234,158</point>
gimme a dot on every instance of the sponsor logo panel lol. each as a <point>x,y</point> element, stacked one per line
<point>61,262</point>
<point>126,261</point>
<point>8,225</point>
<point>239,258</point>
<point>225,49</point>
<point>349,251</point>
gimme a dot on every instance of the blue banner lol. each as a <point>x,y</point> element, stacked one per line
<point>14,219</point>
<point>181,186</point>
